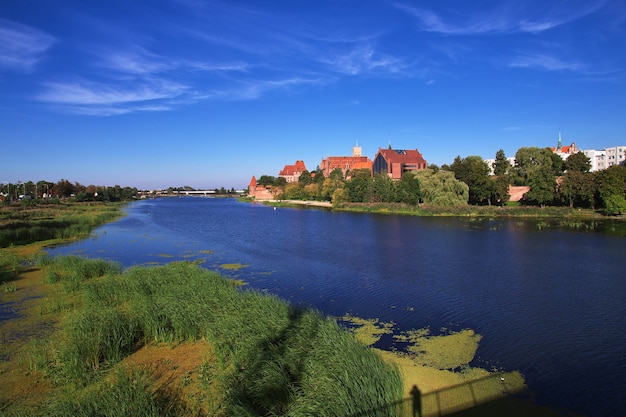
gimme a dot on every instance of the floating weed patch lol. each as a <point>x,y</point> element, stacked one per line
<point>447,351</point>
<point>206,252</point>
<point>165,255</point>
<point>232,267</point>
<point>368,331</point>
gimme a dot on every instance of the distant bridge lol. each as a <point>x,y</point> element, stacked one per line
<point>195,192</point>
<point>203,192</point>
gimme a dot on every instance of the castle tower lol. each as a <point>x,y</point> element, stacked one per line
<point>356,150</point>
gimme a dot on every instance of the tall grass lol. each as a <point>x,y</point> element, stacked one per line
<point>274,359</point>
<point>72,271</point>
<point>130,394</point>
<point>9,264</point>
<point>24,225</point>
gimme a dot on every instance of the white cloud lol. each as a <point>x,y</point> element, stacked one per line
<point>364,60</point>
<point>545,62</point>
<point>91,98</point>
<point>22,47</point>
<point>251,90</point>
<point>136,61</point>
<point>91,93</point>
<point>506,17</point>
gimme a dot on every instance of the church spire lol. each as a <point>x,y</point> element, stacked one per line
<point>560,142</point>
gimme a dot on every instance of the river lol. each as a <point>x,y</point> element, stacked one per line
<point>548,302</point>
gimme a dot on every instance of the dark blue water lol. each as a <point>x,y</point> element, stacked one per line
<point>547,302</point>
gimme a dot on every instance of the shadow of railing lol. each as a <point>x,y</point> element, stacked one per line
<point>466,395</point>
<point>454,400</point>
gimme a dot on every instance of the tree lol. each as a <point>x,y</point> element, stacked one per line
<point>266,180</point>
<point>610,182</point>
<point>501,165</point>
<point>577,188</point>
<point>295,191</point>
<point>501,194</point>
<point>360,186</point>
<point>441,188</point>
<point>501,179</point>
<point>558,165</point>
<point>43,187</point>
<point>305,178</point>
<point>408,189</point>
<point>63,188</point>
<point>383,189</point>
<point>340,195</point>
<point>542,187</point>
<point>614,205</point>
<point>474,172</point>
<point>528,161</point>
<point>578,162</point>
<point>333,182</point>
<point>318,176</point>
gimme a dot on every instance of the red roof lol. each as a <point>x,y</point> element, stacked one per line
<point>292,169</point>
<point>402,156</point>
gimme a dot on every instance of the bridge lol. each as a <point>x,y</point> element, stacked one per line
<point>203,192</point>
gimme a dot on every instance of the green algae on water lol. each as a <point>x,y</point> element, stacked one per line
<point>368,331</point>
<point>232,267</point>
<point>446,351</point>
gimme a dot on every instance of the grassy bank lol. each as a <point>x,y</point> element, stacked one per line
<point>268,358</point>
<point>90,339</point>
<point>22,225</point>
<point>469,211</point>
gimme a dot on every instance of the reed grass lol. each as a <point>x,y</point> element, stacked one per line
<point>129,394</point>
<point>24,225</point>
<point>272,358</point>
<point>9,264</point>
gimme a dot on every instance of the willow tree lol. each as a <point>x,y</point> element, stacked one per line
<point>441,188</point>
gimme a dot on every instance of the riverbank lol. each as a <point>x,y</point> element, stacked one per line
<point>166,366</point>
<point>508,211</point>
<point>192,368</point>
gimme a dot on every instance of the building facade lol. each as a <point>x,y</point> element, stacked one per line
<point>346,163</point>
<point>395,162</point>
<point>291,173</point>
<point>259,192</point>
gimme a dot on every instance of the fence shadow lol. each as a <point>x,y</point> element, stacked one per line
<point>490,396</point>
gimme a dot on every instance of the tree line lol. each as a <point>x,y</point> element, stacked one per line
<point>552,181</point>
<point>32,192</point>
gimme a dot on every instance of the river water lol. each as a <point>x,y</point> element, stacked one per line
<point>548,302</point>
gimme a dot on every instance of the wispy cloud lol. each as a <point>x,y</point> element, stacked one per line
<point>364,60</point>
<point>251,90</point>
<point>506,17</point>
<point>545,62</point>
<point>136,60</point>
<point>95,98</point>
<point>22,47</point>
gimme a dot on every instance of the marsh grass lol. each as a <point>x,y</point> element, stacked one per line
<point>271,358</point>
<point>9,265</point>
<point>128,394</point>
<point>28,224</point>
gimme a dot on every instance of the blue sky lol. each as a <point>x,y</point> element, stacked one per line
<point>161,93</point>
